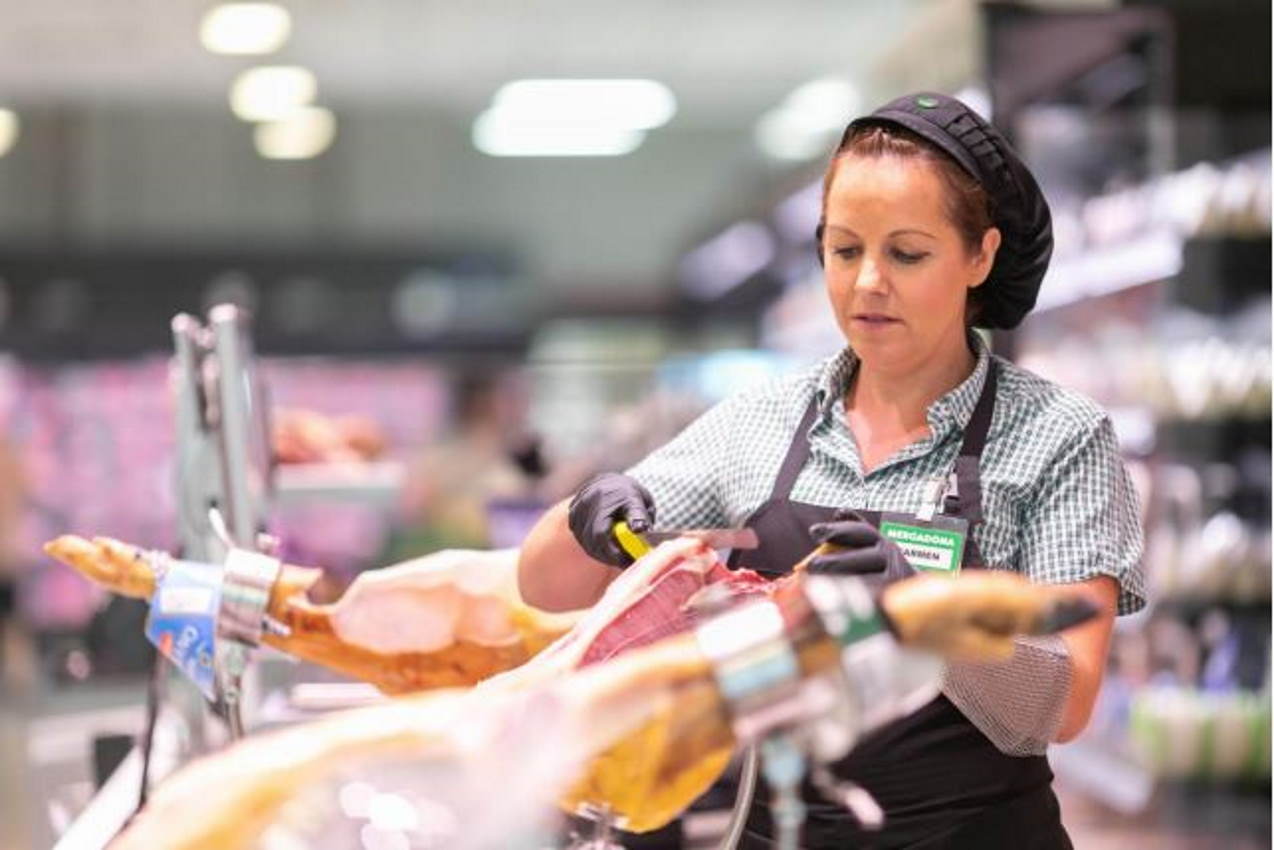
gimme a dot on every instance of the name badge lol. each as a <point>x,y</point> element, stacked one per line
<point>930,546</point>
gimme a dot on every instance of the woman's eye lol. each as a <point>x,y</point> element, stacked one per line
<point>847,253</point>
<point>904,257</point>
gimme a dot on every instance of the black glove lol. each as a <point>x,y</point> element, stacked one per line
<point>865,552</point>
<point>603,501</point>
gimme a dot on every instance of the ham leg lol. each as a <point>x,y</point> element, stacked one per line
<point>445,620</point>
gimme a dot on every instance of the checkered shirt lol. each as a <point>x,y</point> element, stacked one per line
<point>1057,501</point>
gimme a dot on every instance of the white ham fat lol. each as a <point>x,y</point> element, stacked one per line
<point>428,604</point>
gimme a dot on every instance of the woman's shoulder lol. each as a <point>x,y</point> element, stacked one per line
<point>1035,402</point>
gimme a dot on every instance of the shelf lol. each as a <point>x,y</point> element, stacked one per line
<point>374,483</point>
<point>1145,259</point>
<point>1207,227</point>
<point>1194,605</point>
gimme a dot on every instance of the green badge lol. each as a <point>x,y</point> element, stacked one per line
<point>926,102</point>
<point>933,550</point>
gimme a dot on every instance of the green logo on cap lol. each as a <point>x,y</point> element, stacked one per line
<point>926,102</point>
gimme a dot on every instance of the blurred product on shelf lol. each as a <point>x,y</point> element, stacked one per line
<point>306,436</point>
<point>1221,559</point>
<point>1142,234</point>
<point>1207,199</point>
<point>1181,365</point>
<point>1181,733</point>
<point>1186,699</point>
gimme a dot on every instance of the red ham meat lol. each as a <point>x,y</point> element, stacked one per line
<point>652,599</point>
<point>662,604</point>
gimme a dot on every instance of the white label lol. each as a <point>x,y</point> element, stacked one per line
<point>185,600</point>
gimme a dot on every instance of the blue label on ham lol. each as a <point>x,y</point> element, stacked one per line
<point>183,620</point>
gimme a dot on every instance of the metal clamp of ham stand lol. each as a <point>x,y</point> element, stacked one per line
<point>804,676</point>
<point>242,618</point>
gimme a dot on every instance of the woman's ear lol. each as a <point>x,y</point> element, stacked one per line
<point>986,255</point>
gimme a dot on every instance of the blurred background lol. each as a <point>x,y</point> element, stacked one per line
<point>494,247</point>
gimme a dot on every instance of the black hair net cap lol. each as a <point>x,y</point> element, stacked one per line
<point>1019,209</point>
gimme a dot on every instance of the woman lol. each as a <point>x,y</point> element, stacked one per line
<point>930,225</point>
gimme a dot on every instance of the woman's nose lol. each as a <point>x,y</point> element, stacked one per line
<point>869,278</point>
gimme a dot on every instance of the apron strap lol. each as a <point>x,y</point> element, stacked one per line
<point>980,422</point>
<point>966,502</point>
<point>797,453</point>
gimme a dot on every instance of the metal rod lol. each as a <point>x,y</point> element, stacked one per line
<point>742,800</point>
<point>234,718</point>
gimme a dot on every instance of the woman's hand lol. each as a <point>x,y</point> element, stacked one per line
<point>849,545</point>
<point>603,501</point>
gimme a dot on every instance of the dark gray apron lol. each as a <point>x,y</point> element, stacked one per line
<point>941,783</point>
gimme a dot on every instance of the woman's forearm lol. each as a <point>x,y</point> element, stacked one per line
<point>1043,694</point>
<point>1088,647</point>
<point>554,572</point>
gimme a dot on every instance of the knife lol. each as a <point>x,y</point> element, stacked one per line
<point>637,545</point>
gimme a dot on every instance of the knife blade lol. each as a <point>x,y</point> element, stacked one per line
<point>717,538</point>
<point>637,545</point>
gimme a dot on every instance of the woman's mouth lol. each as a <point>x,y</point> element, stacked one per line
<point>875,320</point>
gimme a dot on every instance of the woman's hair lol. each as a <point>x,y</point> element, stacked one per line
<point>969,206</point>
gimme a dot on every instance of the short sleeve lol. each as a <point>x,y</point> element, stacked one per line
<point>1083,521</point>
<point>683,474</point>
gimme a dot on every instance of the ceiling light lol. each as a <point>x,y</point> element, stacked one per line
<point>825,102</point>
<point>495,134</point>
<point>270,93</point>
<point>618,104</point>
<point>802,126</point>
<point>8,130</point>
<point>243,29</point>
<point>303,134</point>
<point>783,135</point>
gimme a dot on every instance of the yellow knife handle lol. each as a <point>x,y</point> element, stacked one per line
<point>820,549</point>
<point>630,541</point>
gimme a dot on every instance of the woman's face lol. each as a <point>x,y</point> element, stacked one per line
<point>898,272</point>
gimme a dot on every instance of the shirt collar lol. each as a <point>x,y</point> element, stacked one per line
<point>954,409</point>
